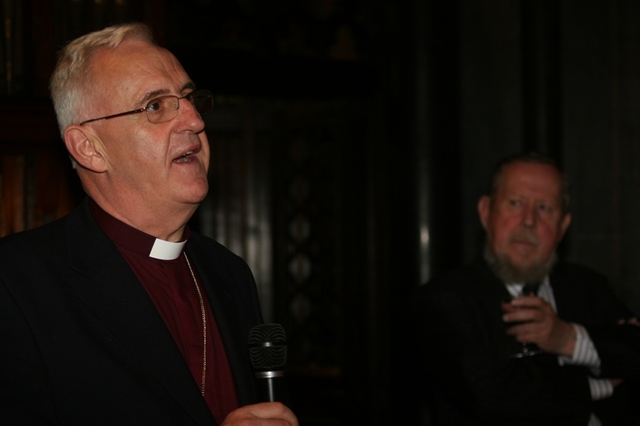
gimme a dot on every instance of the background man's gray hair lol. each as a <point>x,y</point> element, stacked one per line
<point>535,158</point>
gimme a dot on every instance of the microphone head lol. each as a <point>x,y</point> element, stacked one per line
<point>267,347</point>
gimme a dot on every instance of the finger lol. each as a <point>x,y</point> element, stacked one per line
<point>528,302</point>
<point>275,412</point>
<point>521,315</point>
<point>507,307</point>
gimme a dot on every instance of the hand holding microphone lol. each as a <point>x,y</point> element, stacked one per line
<point>268,355</point>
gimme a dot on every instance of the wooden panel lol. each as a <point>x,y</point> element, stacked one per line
<point>12,176</point>
<point>35,188</point>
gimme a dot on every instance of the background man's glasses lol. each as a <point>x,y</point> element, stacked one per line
<point>165,108</point>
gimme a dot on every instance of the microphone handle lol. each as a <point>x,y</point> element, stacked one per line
<point>271,386</point>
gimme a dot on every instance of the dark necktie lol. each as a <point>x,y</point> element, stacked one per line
<point>530,288</point>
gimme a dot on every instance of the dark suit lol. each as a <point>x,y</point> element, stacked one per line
<point>82,343</point>
<point>465,352</point>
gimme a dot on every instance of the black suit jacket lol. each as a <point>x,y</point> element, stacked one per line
<point>464,352</point>
<point>81,342</point>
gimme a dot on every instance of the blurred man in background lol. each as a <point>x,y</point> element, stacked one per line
<point>518,337</point>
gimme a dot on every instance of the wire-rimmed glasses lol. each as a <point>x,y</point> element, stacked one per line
<point>165,108</point>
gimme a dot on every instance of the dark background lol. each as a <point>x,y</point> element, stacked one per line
<point>350,143</point>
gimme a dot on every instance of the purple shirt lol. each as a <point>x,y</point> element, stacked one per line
<point>171,287</point>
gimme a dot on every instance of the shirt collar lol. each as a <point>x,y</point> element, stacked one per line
<point>166,250</point>
<point>516,288</point>
<point>126,236</point>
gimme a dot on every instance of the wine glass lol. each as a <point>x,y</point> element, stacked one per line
<point>526,349</point>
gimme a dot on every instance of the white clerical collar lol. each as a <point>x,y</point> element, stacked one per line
<point>166,250</point>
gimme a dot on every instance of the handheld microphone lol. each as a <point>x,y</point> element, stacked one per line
<point>268,354</point>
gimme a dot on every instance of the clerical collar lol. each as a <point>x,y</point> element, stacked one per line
<point>126,236</point>
<point>166,250</point>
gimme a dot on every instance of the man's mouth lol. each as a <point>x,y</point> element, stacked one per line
<point>184,158</point>
<point>524,238</point>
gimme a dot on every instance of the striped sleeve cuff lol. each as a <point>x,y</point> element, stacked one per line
<point>584,353</point>
<point>600,388</point>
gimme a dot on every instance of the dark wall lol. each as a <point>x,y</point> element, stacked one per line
<point>601,77</point>
<point>561,77</point>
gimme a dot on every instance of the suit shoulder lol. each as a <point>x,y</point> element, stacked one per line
<point>211,244</point>
<point>576,271</point>
<point>454,280</point>
<point>474,271</point>
<point>33,238</point>
<point>49,237</point>
<point>216,251</point>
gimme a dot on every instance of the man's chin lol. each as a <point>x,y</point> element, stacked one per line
<point>518,270</point>
<point>193,197</point>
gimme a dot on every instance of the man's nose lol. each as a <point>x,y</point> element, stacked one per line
<point>188,113</point>
<point>530,216</point>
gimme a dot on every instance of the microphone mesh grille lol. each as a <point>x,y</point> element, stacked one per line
<point>267,347</point>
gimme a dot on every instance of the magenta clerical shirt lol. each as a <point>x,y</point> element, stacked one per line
<point>168,281</point>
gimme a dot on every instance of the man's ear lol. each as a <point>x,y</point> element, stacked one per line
<point>564,225</point>
<point>484,208</point>
<point>85,148</point>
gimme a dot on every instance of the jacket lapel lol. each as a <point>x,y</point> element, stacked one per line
<point>109,289</point>
<point>571,300</point>
<point>222,297</point>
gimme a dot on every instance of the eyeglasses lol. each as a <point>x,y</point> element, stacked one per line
<point>165,108</point>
